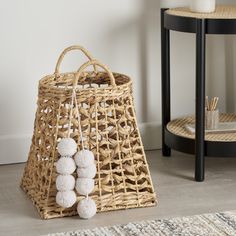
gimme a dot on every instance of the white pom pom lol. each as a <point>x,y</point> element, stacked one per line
<point>87,172</point>
<point>84,186</point>
<point>86,208</point>
<point>66,199</point>
<point>65,182</point>
<point>67,147</point>
<point>65,165</point>
<point>84,158</point>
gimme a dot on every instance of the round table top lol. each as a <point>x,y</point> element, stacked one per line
<point>222,12</point>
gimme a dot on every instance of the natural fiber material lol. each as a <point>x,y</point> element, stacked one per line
<point>110,131</point>
<point>200,225</point>
<point>222,12</point>
<point>177,127</point>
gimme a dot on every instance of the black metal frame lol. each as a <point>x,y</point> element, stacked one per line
<point>188,24</point>
<point>165,63</point>
<point>199,146</point>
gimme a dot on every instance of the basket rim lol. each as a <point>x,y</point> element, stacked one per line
<point>69,88</point>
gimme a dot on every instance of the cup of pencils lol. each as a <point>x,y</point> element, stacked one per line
<point>212,114</point>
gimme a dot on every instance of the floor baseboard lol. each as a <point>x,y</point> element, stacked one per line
<point>15,148</point>
<point>151,135</point>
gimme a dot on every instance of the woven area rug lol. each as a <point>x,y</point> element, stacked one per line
<point>199,225</point>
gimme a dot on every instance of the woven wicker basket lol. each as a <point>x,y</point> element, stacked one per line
<point>109,128</point>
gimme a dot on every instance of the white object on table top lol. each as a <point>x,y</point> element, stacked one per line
<point>203,6</point>
<point>174,3</point>
<point>224,127</point>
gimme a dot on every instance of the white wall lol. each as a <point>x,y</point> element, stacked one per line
<point>124,34</point>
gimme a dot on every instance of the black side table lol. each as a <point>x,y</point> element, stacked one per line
<point>222,21</point>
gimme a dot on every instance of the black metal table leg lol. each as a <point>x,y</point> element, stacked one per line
<point>165,56</point>
<point>200,100</point>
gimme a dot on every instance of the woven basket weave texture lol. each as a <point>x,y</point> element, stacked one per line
<point>110,131</point>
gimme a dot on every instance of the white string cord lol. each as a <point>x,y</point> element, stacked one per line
<point>79,121</point>
<point>78,117</point>
<point>71,110</point>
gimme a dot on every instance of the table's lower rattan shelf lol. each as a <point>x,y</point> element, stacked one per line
<point>216,144</point>
<point>177,127</point>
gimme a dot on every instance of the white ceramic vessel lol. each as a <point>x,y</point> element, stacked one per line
<point>203,6</point>
<point>174,3</point>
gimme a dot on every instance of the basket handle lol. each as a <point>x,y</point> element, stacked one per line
<point>72,48</point>
<point>93,63</point>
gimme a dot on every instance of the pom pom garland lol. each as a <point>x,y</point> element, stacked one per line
<point>66,199</point>
<point>84,186</point>
<point>86,208</point>
<point>87,172</point>
<point>67,147</point>
<point>84,158</point>
<point>65,182</point>
<point>65,166</point>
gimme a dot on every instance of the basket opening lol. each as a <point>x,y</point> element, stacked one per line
<point>88,80</point>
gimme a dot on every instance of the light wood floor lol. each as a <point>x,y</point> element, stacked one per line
<point>178,193</point>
